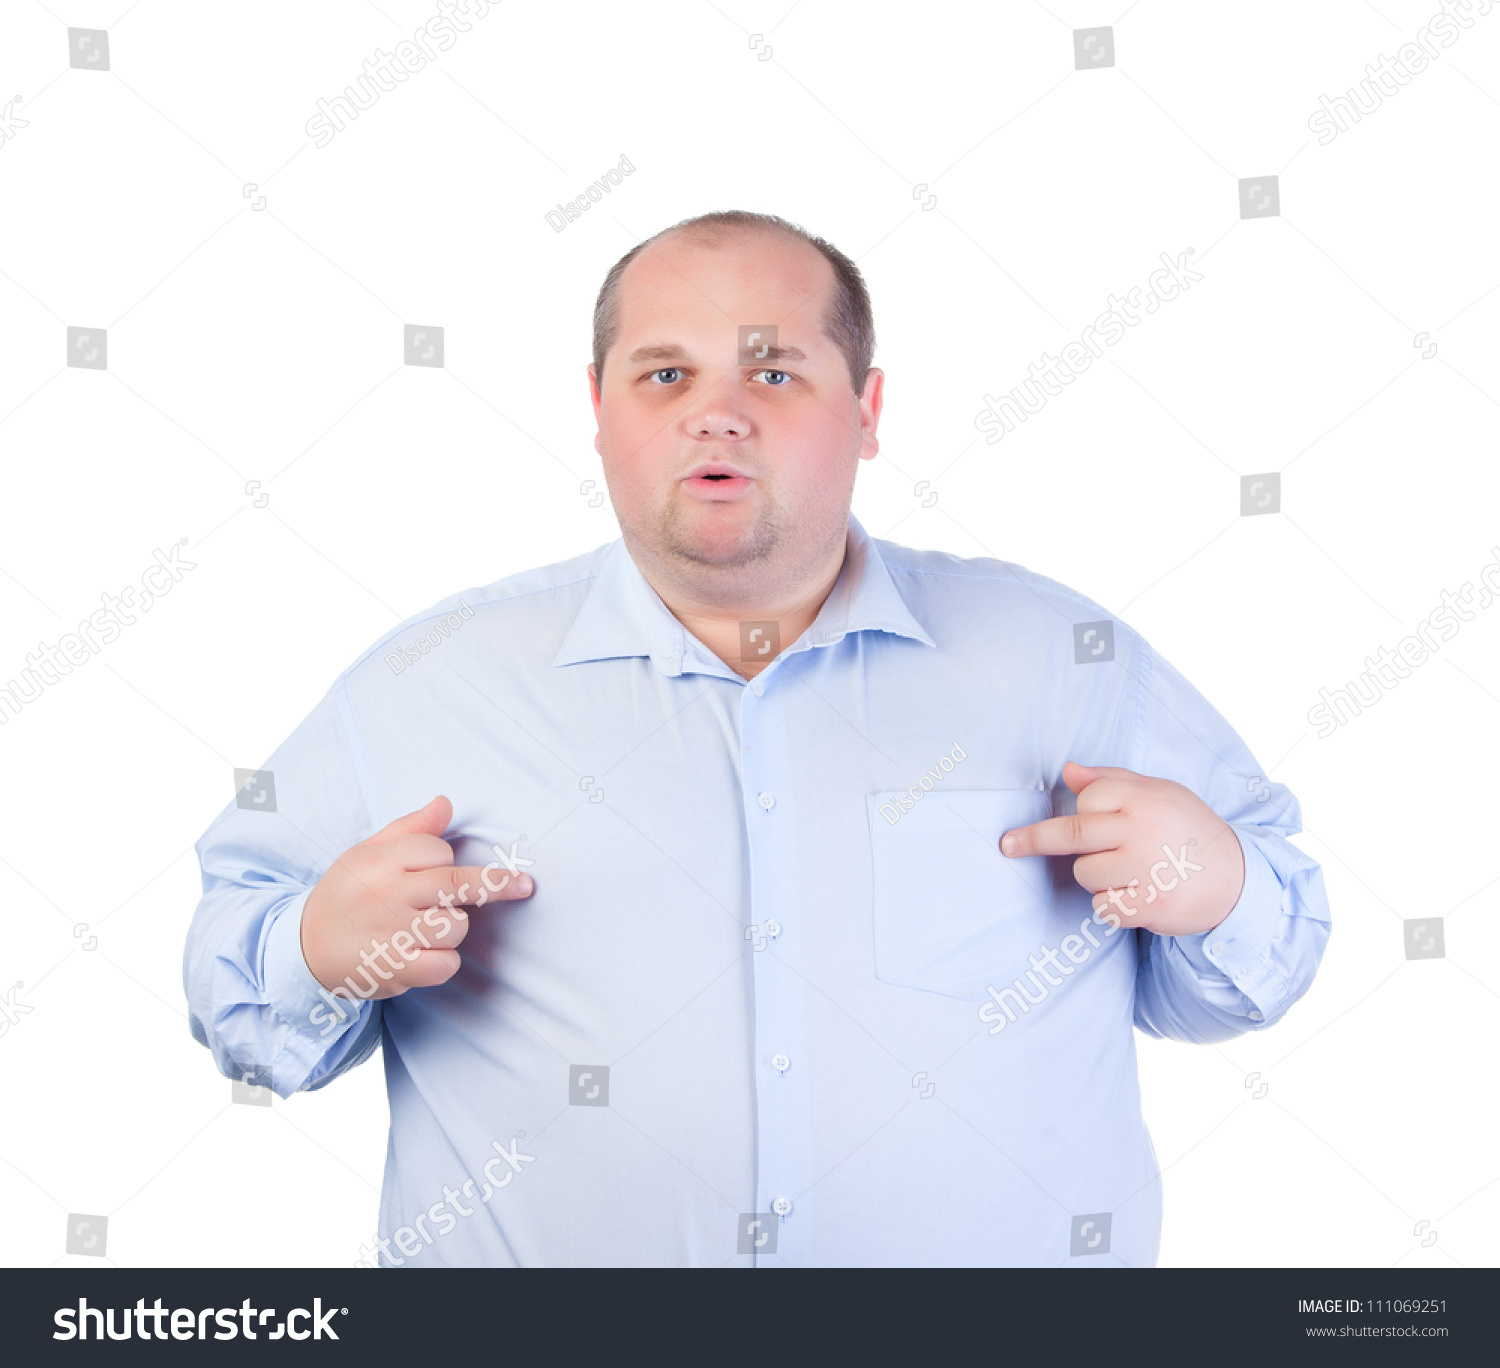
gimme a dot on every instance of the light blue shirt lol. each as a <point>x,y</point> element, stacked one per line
<point>777,998</point>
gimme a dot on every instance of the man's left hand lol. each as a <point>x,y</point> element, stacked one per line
<point>1153,853</point>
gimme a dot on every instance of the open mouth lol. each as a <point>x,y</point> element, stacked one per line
<point>717,483</point>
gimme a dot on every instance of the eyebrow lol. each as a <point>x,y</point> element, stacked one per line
<point>672,352</point>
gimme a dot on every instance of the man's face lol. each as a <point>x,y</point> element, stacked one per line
<point>714,458</point>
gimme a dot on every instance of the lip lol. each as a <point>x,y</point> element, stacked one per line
<point>732,484</point>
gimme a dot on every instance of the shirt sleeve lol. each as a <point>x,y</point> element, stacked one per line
<point>252,1000</point>
<point>1243,974</point>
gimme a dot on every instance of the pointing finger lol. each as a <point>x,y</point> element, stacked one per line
<point>464,886</point>
<point>1081,833</point>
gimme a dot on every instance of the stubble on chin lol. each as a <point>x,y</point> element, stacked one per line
<point>680,541</point>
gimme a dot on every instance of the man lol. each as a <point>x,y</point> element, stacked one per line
<point>779,993</point>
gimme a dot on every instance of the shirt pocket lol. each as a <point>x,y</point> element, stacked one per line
<point>951,913</point>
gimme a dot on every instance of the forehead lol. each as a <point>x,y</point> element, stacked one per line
<point>683,283</point>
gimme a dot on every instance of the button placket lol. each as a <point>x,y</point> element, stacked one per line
<point>783,1099</point>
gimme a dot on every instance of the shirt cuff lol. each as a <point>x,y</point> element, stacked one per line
<point>1238,949</point>
<point>293,991</point>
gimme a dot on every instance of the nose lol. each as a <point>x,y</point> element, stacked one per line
<point>720,413</point>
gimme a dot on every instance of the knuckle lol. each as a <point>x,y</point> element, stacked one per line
<point>464,883</point>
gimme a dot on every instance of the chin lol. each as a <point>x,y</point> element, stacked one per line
<point>715,540</point>
<point>726,554</point>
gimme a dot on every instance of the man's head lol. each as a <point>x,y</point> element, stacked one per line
<point>731,459</point>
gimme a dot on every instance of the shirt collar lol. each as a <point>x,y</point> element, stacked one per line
<point>624,616</point>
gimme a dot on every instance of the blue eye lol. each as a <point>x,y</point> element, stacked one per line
<point>671,371</point>
<point>775,384</point>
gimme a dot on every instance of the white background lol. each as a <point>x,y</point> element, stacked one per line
<point>265,344</point>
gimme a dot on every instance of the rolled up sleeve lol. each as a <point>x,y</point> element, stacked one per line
<point>252,1000</point>
<point>1246,972</point>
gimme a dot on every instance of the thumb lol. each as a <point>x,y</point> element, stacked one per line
<point>431,820</point>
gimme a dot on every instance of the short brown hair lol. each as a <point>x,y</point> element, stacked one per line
<point>850,323</point>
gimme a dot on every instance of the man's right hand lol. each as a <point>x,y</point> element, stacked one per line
<point>399,890</point>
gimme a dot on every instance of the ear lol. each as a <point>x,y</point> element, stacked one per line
<point>596,399</point>
<point>871,402</point>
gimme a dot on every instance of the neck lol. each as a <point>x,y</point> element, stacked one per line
<point>714,607</point>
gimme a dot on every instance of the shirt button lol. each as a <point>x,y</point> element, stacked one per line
<point>1218,947</point>
<point>782,1206</point>
<point>767,801</point>
<point>773,928</point>
<point>757,687</point>
<point>1256,1016</point>
<point>780,1063</point>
